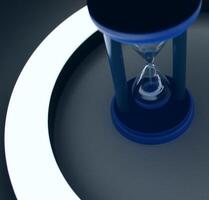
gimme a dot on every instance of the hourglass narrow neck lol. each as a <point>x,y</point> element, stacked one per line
<point>150,61</point>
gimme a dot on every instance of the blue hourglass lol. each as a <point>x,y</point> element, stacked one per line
<point>152,108</point>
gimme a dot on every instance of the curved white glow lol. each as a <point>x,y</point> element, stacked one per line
<point>32,167</point>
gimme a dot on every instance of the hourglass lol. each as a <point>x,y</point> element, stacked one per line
<point>151,108</point>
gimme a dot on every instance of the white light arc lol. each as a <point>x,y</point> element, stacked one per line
<point>31,164</point>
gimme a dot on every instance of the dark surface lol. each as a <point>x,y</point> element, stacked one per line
<point>24,24</point>
<point>101,164</point>
<point>205,6</point>
<point>147,16</point>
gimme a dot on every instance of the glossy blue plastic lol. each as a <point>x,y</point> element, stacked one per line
<point>154,137</point>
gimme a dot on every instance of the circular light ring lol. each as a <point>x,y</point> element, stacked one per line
<point>32,168</point>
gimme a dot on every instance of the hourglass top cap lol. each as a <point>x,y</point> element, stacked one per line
<point>143,20</point>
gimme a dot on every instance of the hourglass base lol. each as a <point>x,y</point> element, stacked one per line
<point>154,126</point>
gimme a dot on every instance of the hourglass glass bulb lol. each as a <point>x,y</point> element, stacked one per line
<point>150,86</point>
<point>149,51</point>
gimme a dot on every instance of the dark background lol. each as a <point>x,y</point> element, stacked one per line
<point>24,24</point>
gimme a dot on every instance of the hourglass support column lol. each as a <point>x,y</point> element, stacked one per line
<point>179,65</point>
<point>116,63</point>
